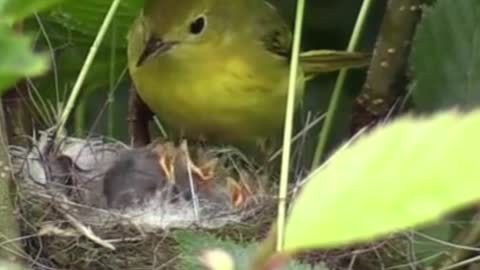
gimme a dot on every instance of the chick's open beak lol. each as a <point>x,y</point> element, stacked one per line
<point>154,47</point>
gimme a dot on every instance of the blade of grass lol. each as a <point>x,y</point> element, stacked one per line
<point>112,79</point>
<point>352,45</point>
<point>39,105</point>
<point>287,136</point>
<point>53,60</point>
<point>107,104</point>
<point>86,67</point>
<point>80,117</point>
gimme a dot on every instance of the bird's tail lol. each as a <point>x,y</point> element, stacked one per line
<point>321,61</point>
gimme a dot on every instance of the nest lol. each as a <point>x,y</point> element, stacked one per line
<point>97,204</point>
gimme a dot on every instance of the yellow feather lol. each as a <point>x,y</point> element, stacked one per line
<point>227,84</point>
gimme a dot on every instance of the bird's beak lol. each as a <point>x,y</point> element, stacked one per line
<point>154,47</point>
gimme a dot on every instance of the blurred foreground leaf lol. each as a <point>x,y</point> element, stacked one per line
<point>405,174</point>
<point>85,18</point>
<point>10,266</point>
<point>16,10</point>
<point>72,27</point>
<point>446,56</point>
<point>193,244</point>
<point>18,59</point>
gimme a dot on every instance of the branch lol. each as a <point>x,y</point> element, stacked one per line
<point>390,55</point>
<point>9,232</point>
<point>139,116</point>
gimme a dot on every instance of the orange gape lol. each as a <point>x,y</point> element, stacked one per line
<point>239,192</point>
<point>179,168</point>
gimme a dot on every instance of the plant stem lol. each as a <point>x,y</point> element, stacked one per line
<point>332,108</point>
<point>86,67</point>
<point>287,136</point>
<point>10,248</point>
<point>111,96</point>
<point>80,116</point>
<point>390,55</point>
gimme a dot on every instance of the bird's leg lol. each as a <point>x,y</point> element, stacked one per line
<point>139,116</point>
<point>203,172</point>
<point>196,171</point>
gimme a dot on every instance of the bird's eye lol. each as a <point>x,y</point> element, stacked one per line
<point>198,25</point>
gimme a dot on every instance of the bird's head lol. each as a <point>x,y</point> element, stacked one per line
<point>169,24</point>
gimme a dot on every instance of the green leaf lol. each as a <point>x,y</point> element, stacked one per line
<point>4,265</point>
<point>85,17</point>
<point>12,11</point>
<point>18,59</point>
<point>446,56</point>
<point>192,244</point>
<point>405,174</point>
<point>75,24</point>
<point>428,251</point>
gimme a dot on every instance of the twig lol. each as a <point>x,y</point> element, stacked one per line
<point>87,232</point>
<point>299,135</point>
<point>467,238</point>
<point>390,55</point>
<point>462,263</point>
<point>138,117</point>
<point>184,148</point>
<point>453,245</point>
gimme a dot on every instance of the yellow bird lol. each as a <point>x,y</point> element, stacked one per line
<point>217,69</point>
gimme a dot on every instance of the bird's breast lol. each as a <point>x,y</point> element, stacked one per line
<point>230,98</point>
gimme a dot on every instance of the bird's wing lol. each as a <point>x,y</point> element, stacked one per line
<point>276,37</point>
<point>273,32</point>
